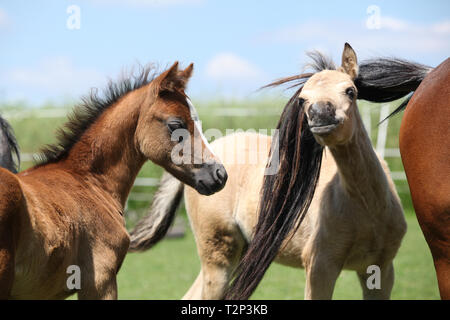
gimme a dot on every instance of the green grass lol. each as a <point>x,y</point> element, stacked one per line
<point>168,270</point>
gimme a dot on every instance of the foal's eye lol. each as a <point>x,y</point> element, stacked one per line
<point>174,125</point>
<point>301,101</point>
<point>350,92</point>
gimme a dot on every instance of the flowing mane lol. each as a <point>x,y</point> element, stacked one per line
<point>389,79</point>
<point>90,109</point>
<point>7,131</point>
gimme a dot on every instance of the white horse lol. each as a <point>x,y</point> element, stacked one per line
<point>351,216</point>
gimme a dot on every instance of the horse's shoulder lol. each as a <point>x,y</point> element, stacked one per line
<point>8,181</point>
<point>11,195</point>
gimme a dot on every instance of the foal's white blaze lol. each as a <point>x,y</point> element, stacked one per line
<point>198,125</point>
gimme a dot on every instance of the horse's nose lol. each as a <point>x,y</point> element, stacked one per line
<point>322,113</point>
<point>211,178</point>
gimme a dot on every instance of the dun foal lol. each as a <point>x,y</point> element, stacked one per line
<point>354,218</point>
<point>68,210</point>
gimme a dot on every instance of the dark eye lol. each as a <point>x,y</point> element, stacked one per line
<point>301,101</point>
<point>350,92</point>
<point>174,125</point>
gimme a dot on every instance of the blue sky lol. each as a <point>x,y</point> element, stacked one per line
<point>236,46</point>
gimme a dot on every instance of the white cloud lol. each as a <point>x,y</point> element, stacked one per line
<point>4,19</point>
<point>56,73</point>
<point>51,78</point>
<point>394,24</point>
<point>442,27</point>
<point>229,66</point>
<point>395,37</point>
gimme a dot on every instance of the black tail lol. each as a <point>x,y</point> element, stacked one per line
<point>285,197</point>
<point>8,147</point>
<point>389,79</point>
<point>154,226</point>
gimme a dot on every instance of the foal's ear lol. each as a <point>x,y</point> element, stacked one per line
<point>173,79</point>
<point>349,62</point>
<point>169,80</point>
<point>187,73</point>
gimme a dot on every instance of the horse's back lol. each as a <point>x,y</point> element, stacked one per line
<point>425,151</point>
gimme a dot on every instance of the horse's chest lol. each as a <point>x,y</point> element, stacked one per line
<point>369,244</point>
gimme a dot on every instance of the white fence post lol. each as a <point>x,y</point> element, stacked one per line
<point>382,130</point>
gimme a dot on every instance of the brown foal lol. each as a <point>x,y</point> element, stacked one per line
<point>68,210</point>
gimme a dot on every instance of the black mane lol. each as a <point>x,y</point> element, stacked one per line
<point>90,109</point>
<point>319,62</point>
<point>11,149</point>
<point>379,80</point>
<point>389,79</point>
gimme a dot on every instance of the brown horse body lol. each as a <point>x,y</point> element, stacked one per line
<point>68,211</point>
<point>425,151</point>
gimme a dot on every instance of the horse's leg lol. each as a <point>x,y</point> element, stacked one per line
<point>219,252</point>
<point>99,272</point>
<point>442,266</point>
<point>386,283</point>
<point>321,276</point>
<point>195,291</point>
<point>6,258</point>
<point>216,278</point>
<point>95,289</point>
<point>11,202</point>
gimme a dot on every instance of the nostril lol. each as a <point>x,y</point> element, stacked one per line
<point>312,112</point>
<point>221,175</point>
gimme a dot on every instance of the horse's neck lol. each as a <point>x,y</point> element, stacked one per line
<point>360,170</point>
<point>106,155</point>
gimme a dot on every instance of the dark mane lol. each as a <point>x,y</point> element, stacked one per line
<point>379,80</point>
<point>319,63</point>
<point>285,197</point>
<point>12,147</point>
<point>90,109</point>
<point>389,79</point>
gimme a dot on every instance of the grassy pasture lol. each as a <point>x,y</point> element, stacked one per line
<point>168,270</point>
